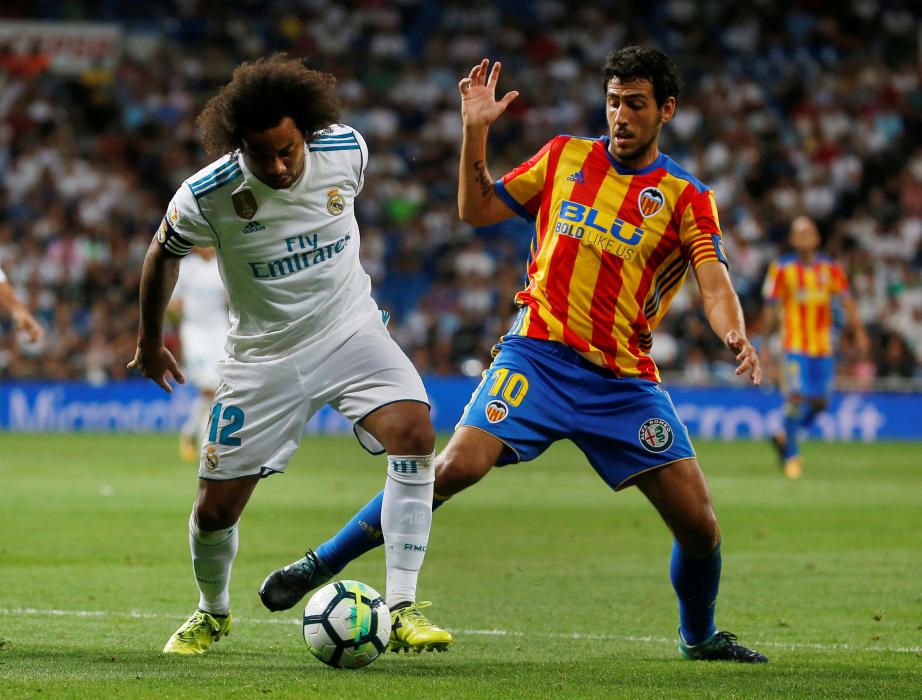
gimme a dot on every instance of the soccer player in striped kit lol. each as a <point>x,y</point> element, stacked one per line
<point>617,227</point>
<point>801,287</point>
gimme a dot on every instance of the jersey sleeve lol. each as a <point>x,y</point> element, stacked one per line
<point>2,275</point>
<point>183,226</point>
<point>521,188</point>
<point>363,161</point>
<point>839,281</point>
<point>771,288</point>
<point>699,230</point>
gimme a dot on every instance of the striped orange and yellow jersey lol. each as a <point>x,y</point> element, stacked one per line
<point>611,248</point>
<point>805,292</point>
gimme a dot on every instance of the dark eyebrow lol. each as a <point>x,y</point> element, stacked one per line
<point>626,96</point>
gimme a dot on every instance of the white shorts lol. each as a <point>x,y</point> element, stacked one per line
<point>202,349</point>
<point>260,408</point>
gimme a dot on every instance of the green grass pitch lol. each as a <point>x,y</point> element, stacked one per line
<point>553,585</point>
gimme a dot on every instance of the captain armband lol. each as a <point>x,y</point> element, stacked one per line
<point>171,241</point>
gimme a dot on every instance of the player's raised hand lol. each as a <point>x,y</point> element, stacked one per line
<point>746,356</point>
<point>154,363</point>
<point>479,106</point>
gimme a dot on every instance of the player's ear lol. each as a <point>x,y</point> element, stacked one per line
<point>667,111</point>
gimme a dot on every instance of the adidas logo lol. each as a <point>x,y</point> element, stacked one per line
<point>578,177</point>
<point>253,227</point>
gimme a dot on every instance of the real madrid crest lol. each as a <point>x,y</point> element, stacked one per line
<point>336,203</point>
<point>244,203</point>
<point>211,457</point>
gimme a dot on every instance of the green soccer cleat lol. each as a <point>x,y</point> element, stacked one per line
<point>198,633</point>
<point>410,629</point>
<point>283,588</point>
<point>720,646</point>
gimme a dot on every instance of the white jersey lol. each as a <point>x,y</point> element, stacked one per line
<point>289,258</point>
<point>204,301</point>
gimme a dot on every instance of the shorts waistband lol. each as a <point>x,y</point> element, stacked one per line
<point>558,351</point>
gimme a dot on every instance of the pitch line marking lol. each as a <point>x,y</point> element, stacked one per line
<point>135,614</point>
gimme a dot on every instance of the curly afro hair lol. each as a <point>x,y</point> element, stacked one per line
<point>263,92</point>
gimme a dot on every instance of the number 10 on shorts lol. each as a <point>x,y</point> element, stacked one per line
<point>233,421</point>
<point>513,386</point>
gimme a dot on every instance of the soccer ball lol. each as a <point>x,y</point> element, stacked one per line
<point>346,624</point>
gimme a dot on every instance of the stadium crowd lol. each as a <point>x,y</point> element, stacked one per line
<point>810,110</point>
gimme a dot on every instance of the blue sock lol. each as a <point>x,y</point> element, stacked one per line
<point>792,417</point>
<point>695,580</point>
<point>361,534</point>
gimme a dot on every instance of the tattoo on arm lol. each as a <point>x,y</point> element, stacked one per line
<point>486,186</point>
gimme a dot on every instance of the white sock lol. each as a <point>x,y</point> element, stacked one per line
<point>213,555</point>
<point>406,516</point>
<point>202,416</point>
<point>192,428</point>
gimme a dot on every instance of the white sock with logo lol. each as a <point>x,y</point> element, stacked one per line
<point>213,555</point>
<point>406,516</point>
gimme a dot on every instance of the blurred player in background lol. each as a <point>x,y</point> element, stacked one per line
<point>617,227</point>
<point>24,321</point>
<point>278,207</point>
<point>800,290</point>
<point>200,303</point>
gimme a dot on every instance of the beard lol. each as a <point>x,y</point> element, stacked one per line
<point>633,153</point>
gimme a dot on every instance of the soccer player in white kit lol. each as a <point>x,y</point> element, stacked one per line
<point>305,331</point>
<point>22,317</point>
<point>200,302</point>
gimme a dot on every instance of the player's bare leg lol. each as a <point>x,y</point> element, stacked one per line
<point>213,540</point>
<point>466,459</point>
<point>405,431</point>
<point>680,494</point>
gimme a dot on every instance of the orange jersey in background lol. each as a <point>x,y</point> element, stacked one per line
<point>612,247</point>
<point>805,293</point>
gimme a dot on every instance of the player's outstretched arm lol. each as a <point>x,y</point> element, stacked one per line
<point>23,319</point>
<point>724,313</point>
<point>158,278</point>
<point>477,203</point>
<point>854,322</point>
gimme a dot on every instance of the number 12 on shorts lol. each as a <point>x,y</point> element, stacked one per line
<point>233,417</point>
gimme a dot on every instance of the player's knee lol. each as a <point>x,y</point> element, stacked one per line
<point>409,436</point>
<point>701,535</point>
<point>211,517</point>
<point>454,472</point>
<point>416,438</point>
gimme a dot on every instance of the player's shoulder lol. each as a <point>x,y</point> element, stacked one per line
<point>335,138</point>
<point>787,259</point>
<point>572,140</point>
<point>564,138</point>
<point>213,177</point>
<point>675,170</point>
